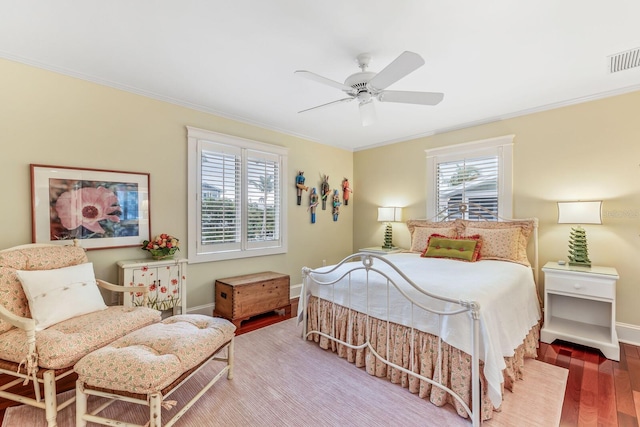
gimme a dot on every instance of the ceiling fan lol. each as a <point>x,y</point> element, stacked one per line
<point>366,86</point>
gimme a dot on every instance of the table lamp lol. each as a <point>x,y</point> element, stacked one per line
<point>388,215</point>
<point>579,213</point>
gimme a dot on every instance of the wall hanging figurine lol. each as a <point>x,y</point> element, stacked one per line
<point>336,205</point>
<point>325,190</point>
<point>346,191</point>
<point>313,203</point>
<point>300,185</point>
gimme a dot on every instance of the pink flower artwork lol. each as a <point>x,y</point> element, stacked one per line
<point>86,206</point>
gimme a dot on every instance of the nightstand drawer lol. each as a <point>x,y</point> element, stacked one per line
<point>581,286</point>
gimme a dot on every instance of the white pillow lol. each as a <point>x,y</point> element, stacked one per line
<point>60,294</point>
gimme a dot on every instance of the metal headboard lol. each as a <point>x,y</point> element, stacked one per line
<point>462,208</point>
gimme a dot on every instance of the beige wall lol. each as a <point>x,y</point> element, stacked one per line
<point>47,118</point>
<point>587,151</point>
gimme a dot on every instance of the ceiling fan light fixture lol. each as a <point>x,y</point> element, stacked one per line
<point>364,96</point>
<point>368,113</point>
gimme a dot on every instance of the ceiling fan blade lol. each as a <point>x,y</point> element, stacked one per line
<point>408,97</point>
<point>328,103</point>
<point>404,64</point>
<point>367,113</point>
<point>316,78</point>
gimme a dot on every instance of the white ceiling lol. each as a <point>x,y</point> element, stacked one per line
<point>493,59</point>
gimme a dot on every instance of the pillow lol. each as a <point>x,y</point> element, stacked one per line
<point>60,294</point>
<point>421,229</point>
<point>413,223</point>
<point>465,249</point>
<point>503,240</point>
<point>421,235</point>
<point>501,244</point>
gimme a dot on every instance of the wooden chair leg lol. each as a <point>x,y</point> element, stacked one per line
<point>155,410</point>
<point>230,359</point>
<point>81,404</point>
<point>50,399</point>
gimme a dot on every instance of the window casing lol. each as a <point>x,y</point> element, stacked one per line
<point>479,173</point>
<point>237,197</point>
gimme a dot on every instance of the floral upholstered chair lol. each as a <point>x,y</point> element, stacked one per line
<point>51,315</point>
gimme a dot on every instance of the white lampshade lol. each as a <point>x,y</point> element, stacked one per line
<point>580,212</point>
<point>389,214</point>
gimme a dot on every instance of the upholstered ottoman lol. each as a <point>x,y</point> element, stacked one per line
<point>147,365</point>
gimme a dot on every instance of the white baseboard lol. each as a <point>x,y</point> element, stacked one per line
<point>206,309</point>
<point>629,334</point>
<point>295,291</point>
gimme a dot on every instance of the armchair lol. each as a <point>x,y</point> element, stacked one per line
<point>51,315</point>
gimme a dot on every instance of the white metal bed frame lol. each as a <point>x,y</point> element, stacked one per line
<point>367,263</point>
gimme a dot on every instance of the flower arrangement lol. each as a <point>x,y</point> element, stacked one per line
<point>162,246</point>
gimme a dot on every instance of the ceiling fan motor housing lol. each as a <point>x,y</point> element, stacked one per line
<point>359,82</point>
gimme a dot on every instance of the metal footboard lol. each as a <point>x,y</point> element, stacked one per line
<point>366,262</point>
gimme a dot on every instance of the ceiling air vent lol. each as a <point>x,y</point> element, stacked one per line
<point>624,60</point>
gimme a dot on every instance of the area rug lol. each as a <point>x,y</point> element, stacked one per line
<point>283,380</point>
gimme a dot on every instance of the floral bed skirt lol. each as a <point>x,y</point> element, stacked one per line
<point>351,327</point>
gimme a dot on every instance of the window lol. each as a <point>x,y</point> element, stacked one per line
<point>478,173</point>
<point>237,198</point>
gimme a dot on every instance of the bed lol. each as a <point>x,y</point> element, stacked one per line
<point>450,319</point>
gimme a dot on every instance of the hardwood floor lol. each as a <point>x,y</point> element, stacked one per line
<point>600,392</point>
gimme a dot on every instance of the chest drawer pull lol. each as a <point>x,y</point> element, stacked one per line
<point>577,286</point>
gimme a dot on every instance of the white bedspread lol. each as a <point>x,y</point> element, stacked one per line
<point>505,291</point>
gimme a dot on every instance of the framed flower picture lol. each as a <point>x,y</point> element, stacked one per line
<point>102,208</point>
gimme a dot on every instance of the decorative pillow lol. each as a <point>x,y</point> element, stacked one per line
<point>465,249</point>
<point>418,240</point>
<point>503,240</point>
<point>413,223</point>
<point>60,294</point>
<point>12,296</point>
<point>420,236</point>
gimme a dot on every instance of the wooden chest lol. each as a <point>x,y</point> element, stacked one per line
<point>241,297</point>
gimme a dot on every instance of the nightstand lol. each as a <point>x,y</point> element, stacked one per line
<point>379,250</point>
<point>580,307</point>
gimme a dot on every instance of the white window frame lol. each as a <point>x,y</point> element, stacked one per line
<point>196,139</point>
<point>501,146</point>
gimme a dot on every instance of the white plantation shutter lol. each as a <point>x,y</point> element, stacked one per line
<point>474,181</point>
<point>236,194</point>
<point>478,173</point>
<point>220,197</point>
<point>263,175</point>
